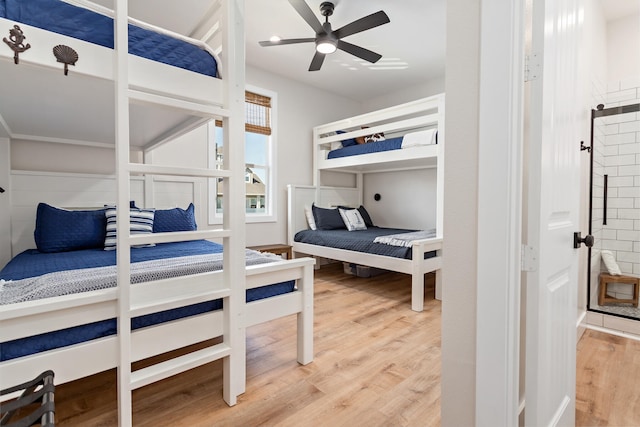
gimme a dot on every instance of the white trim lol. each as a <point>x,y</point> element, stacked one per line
<point>271,194</point>
<point>499,213</point>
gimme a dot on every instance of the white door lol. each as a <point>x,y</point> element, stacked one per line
<point>553,215</point>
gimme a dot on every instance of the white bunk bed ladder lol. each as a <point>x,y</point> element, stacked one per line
<point>131,302</point>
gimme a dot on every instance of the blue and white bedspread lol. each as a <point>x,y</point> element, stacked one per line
<point>405,239</point>
<point>90,279</point>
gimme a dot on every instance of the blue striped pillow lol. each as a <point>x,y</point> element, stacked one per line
<point>140,222</point>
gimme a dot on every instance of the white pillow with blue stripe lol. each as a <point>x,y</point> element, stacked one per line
<point>140,222</point>
<point>352,219</point>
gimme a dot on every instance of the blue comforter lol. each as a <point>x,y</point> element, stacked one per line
<point>359,241</point>
<point>83,24</point>
<point>31,263</point>
<point>372,147</point>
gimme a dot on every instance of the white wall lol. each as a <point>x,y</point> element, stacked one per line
<point>55,157</point>
<point>459,269</point>
<point>407,199</point>
<point>623,48</point>
<point>423,90</point>
<point>300,108</point>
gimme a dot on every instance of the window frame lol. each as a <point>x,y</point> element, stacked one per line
<point>270,214</point>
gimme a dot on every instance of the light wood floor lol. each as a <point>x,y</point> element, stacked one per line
<point>377,363</point>
<point>608,381</point>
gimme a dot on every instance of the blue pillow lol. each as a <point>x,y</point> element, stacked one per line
<point>327,219</point>
<point>176,219</point>
<point>60,230</point>
<point>347,142</point>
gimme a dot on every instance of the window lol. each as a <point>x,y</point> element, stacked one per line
<point>259,158</point>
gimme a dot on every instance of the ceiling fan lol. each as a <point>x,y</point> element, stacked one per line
<point>327,40</point>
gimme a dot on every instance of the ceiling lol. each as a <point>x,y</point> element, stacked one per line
<point>412,45</point>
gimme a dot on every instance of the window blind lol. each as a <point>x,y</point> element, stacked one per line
<point>257,113</point>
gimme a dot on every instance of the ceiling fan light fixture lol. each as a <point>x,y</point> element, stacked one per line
<point>326,46</point>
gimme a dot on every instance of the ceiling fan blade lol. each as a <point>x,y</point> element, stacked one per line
<point>362,24</point>
<point>358,51</point>
<point>307,14</point>
<point>285,41</point>
<point>317,61</point>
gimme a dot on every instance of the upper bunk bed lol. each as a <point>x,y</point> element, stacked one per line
<point>402,137</point>
<point>48,105</point>
<point>117,100</point>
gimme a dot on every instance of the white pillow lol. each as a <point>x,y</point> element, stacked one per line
<point>352,219</point>
<point>310,220</point>
<point>610,262</point>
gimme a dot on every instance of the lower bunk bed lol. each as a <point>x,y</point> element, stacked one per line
<point>58,310</point>
<point>421,253</point>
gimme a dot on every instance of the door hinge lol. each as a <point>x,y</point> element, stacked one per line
<point>531,67</point>
<point>529,258</point>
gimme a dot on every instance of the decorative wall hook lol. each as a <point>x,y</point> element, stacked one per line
<point>584,147</point>
<point>16,37</point>
<point>66,55</point>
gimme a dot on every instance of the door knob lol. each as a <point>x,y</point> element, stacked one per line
<point>587,240</point>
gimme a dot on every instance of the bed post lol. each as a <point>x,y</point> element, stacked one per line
<point>234,365</point>
<point>417,278</point>
<point>305,317</point>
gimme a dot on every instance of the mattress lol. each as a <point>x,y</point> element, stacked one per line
<point>411,139</point>
<point>72,21</point>
<point>359,241</point>
<point>32,263</point>
<point>372,147</point>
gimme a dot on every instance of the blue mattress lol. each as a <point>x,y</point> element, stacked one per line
<point>359,241</point>
<point>83,24</point>
<point>31,263</point>
<point>372,147</point>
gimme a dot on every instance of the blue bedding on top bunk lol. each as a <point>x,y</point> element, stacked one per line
<point>359,241</point>
<point>372,147</point>
<point>83,24</point>
<point>31,263</point>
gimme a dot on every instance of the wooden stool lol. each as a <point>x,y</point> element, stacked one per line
<point>277,248</point>
<point>607,279</point>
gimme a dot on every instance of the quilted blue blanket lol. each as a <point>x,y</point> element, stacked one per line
<point>359,241</point>
<point>32,263</point>
<point>83,24</point>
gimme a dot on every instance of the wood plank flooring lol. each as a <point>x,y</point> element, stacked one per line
<point>608,381</point>
<point>377,363</point>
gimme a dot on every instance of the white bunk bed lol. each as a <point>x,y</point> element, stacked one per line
<point>422,116</point>
<point>153,103</point>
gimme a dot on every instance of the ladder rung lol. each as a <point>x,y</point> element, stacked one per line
<point>171,367</point>
<point>177,236</point>
<point>177,171</point>
<point>190,106</point>
<point>171,303</point>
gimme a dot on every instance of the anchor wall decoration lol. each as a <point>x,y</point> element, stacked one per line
<point>15,42</point>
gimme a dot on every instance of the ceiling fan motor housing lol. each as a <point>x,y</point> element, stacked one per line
<point>326,8</point>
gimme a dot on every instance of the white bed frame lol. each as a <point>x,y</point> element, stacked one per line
<point>394,121</point>
<point>155,94</point>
